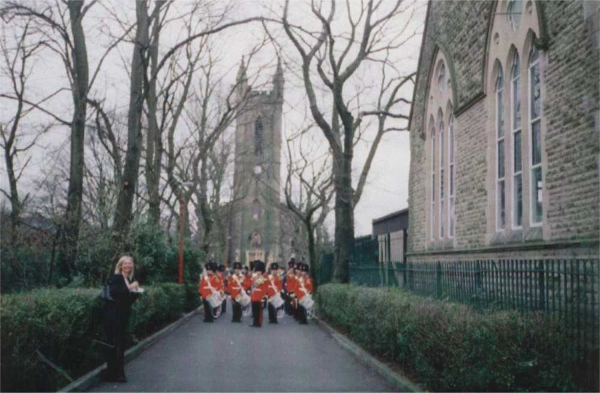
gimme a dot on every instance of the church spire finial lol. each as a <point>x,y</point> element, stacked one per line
<point>278,80</point>
<point>242,71</point>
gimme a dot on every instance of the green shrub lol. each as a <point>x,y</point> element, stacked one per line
<point>451,347</point>
<point>63,324</point>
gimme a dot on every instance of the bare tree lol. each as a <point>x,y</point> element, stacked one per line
<point>312,180</point>
<point>61,30</point>
<point>335,53</point>
<point>13,133</point>
<point>142,79</point>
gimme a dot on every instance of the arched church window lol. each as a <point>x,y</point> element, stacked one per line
<point>517,143</point>
<point>451,176</point>
<point>258,137</point>
<point>441,143</point>
<point>535,131</point>
<point>432,182</point>
<point>513,13</point>
<point>500,154</point>
<point>442,77</point>
<point>256,210</point>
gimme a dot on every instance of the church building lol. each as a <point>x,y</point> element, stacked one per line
<point>504,132</point>
<point>260,225</point>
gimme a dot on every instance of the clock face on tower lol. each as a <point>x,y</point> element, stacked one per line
<point>257,169</point>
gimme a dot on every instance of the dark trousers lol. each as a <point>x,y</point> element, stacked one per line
<point>208,316</point>
<point>302,315</point>
<point>257,314</point>
<point>115,350</point>
<point>237,311</point>
<point>272,314</point>
<point>224,306</point>
<point>288,304</point>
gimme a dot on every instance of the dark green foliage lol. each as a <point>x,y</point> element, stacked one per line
<point>451,347</point>
<point>155,255</point>
<point>63,325</point>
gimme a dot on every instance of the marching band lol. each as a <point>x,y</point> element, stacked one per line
<point>250,291</point>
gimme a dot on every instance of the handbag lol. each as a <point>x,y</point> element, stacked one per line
<point>105,294</point>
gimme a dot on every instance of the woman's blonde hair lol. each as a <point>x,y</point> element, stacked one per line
<point>119,267</point>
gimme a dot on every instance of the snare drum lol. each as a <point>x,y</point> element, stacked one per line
<point>215,300</point>
<point>243,299</point>
<point>276,300</point>
<point>307,302</point>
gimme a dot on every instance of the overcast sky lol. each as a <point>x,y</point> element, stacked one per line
<point>387,189</point>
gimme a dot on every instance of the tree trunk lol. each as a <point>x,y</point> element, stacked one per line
<point>344,218</point>
<point>123,214</point>
<point>70,226</point>
<point>154,141</point>
<point>312,255</point>
<point>204,208</point>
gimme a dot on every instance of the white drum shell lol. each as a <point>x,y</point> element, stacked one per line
<point>276,300</point>
<point>215,300</point>
<point>307,302</point>
<point>243,299</point>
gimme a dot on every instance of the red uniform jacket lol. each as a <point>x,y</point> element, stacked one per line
<point>275,285</point>
<point>304,287</point>
<point>291,283</point>
<point>233,287</point>
<point>248,282</point>
<point>206,282</point>
<point>259,290</point>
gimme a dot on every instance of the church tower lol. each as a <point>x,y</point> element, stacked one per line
<point>255,227</point>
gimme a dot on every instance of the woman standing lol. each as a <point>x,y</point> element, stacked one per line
<point>125,291</point>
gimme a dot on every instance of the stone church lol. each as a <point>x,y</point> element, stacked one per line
<point>260,226</point>
<point>504,132</point>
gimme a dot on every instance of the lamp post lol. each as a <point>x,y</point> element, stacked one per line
<point>181,219</point>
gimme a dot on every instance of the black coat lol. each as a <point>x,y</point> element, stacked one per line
<point>117,312</point>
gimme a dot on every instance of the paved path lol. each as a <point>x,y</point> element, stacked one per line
<point>227,357</point>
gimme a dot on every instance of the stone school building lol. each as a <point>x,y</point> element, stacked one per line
<point>505,132</point>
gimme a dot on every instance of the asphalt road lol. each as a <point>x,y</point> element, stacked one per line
<point>228,357</point>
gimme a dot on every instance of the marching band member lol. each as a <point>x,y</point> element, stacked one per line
<point>209,282</point>
<point>258,291</point>
<point>290,288</point>
<point>235,286</point>
<point>223,277</point>
<point>303,288</point>
<point>274,286</point>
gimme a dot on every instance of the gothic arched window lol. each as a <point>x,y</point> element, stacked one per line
<point>517,180</point>
<point>500,154</point>
<point>535,135</point>
<point>451,176</point>
<point>432,215</point>
<point>442,77</point>
<point>256,210</point>
<point>441,143</point>
<point>258,138</point>
<point>513,13</point>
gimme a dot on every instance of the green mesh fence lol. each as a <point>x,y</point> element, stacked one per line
<point>565,289</point>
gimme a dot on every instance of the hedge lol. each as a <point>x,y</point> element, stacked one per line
<point>451,347</point>
<point>63,325</point>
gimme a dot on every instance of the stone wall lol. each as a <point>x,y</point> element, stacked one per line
<point>571,186</point>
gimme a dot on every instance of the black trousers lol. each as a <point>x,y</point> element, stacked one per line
<point>224,306</point>
<point>237,311</point>
<point>288,304</point>
<point>116,334</point>
<point>302,315</point>
<point>257,314</point>
<point>208,316</point>
<point>272,314</point>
